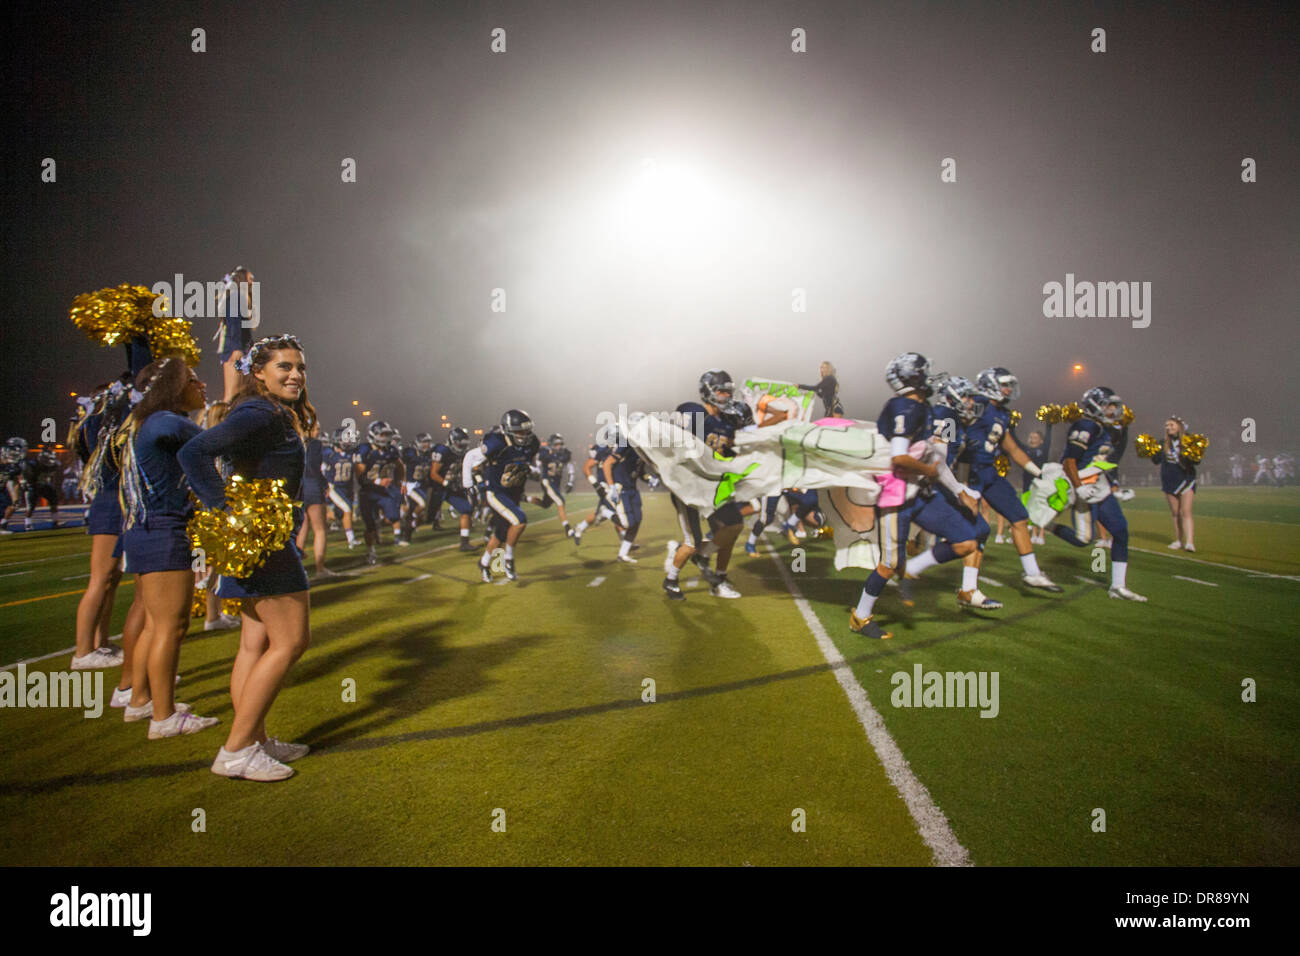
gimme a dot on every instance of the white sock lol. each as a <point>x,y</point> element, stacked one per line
<point>464,532</point>
<point>510,552</point>
<point>866,603</point>
<point>753,540</point>
<point>625,548</point>
<point>484,561</point>
<point>970,578</point>
<point>925,559</point>
<point>351,537</point>
<point>582,526</point>
<point>672,572</point>
<point>1029,563</point>
<point>790,523</point>
<point>1118,573</point>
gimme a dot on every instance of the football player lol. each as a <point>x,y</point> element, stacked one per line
<point>447,481</point>
<point>621,468</point>
<point>12,457</point>
<point>905,421</point>
<point>987,437</point>
<point>554,462</point>
<point>503,471</point>
<point>336,465</point>
<point>1090,445</point>
<point>377,466</point>
<point>42,476</point>
<point>717,392</point>
<point>593,471</point>
<point>417,459</point>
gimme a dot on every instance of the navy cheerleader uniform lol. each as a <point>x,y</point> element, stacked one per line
<point>233,335</point>
<point>158,506</point>
<point>104,516</point>
<point>259,440</point>
<point>313,479</point>
<point>1176,473</point>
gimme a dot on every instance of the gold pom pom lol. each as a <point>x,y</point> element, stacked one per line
<point>1049,414</point>
<point>1071,412</point>
<point>199,603</point>
<point>1003,464</point>
<point>232,607</point>
<point>173,335</point>
<point>825,531</point>
<point>258,521</point>
<point>1127,418</point>
<point>1194,447</point>
<point>112,316</point>
<point>1148,447</point>
<point>1015,418</point>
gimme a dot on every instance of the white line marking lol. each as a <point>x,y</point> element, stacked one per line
<point>930,821</point>
<point>1208,584</point>
<point>693,583</point>
<point>422,577</point>
<point>70,577</point>
<point>1080,577</point>
<point>596,582</point>
<point>990,582</point>
<point>14,574</point>
<point>1215,564</point>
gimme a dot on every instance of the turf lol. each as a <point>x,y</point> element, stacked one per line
<point>528,697</point>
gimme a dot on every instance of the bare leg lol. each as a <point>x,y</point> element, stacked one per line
<point>104,575</point>
<point>285,617</point>
<point>167,601</point>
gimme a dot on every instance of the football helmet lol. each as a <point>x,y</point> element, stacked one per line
<point>424,441</point>
<point>345,439</point>
<point>910,372</point>
<point>1101,404</point>
<point>381,434</point>
<point>459,439</point>
<point>961,395</point>
<point>517,426</point>
<point>716,387</point>
<point>48,458</point>
<point>555,442</point>
<point>737,414</point>
<point>998,385</point>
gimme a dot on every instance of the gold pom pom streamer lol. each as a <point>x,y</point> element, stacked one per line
<point>258,521</point>
<point>199,603</point>
<point>1015,418</point>
<point>1148,447</point>
<point>1003,464</point>
<point>1071,412</point>
<point>1194,447</point>
<point>115,316</point>
<point>232,607</point>
<point>1126,419</point>
<point>1048,414</point>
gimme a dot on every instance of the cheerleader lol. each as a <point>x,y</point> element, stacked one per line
<point>93,437</point>
<point>1178,482</point>
<point>156,508</point>
<point>313,502</point>
<point>262,437</point>
<point>828,390</point>
<point>239,316</point>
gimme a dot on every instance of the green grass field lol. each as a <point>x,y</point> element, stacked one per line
<point>527,697</point>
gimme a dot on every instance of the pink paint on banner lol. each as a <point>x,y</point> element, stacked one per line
<point>835,422</point>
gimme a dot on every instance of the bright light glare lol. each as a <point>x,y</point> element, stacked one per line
<point>670,200</point>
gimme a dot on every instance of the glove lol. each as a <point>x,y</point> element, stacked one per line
<point>1094,492</point>
<point>592,479</point>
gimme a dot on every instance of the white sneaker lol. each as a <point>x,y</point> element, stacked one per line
<point>1188,547</point>
<point>724,590</point>
<point>121,698</point>
<point>1105,543</point>
<point>998,539</point>
<point>628,559</point>
<point>181,722</point>
<point>1175,545</point>
<point>251,763</point>
<point>112,650</point>
<point>1041,581</point>
<point>132,714</point>
<point>222,623</point>
<point>95,660</point>
<point>283,751</point>
<point>1127,595</point>
<point>978,599</point>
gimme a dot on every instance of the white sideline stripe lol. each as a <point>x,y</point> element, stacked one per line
<point>14,574</point>
<point>930,821</point>
<point>1208,584</point>
<point>990,582</point>
<point>596,582</point>
<point>1215,564</point>
<point>693,583</point>
<point>1080,577</point>
<point>422,577</point>
<point>81,555</point>
<point>70,577</point>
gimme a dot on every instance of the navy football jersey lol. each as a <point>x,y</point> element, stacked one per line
<point>628,466</point>
<point>417,464</point>
<point>946,427</point>
<point>379,462</point>
<point>718,435</point>
<point>984,436</point>
<point>1088,441</point>
<point>449,462</point>
<point>904,417</point>
<point>336,466</point>
<point>506,465</point>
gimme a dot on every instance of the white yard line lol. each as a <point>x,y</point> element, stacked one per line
<point>14,574</point>
<point>1208,584</point>
<point>1215,564</point>
<point>1093,581</point>
<point>930,820</point>
<point>596,582</point>
<point>990,582</point>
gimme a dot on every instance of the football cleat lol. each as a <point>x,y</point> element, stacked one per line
<point>673,590</point>
<point>1040,581</point>
<point>1127,595</point>
<point>867,627</point>
<point>751,550</point>
<point>371,557</point>
<point>628,559</point>
<point>792,537</point>
<point>723,589</point>
<point>465,545</point>
<point>905,591</point>
<point>978,600</point>
<point>486,573</point>
<point>510,570</point>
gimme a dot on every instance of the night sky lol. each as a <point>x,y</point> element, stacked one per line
<point>649,182</point>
